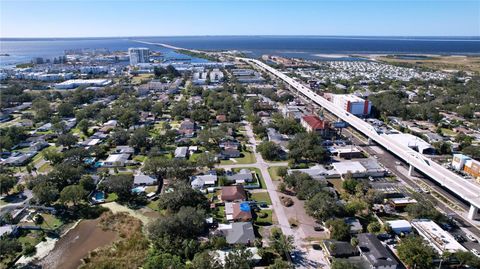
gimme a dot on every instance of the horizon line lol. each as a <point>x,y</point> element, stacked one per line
<point>246,35</point>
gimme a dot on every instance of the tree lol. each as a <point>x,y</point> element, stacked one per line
<point>205,260</point>
<point>307,146</point>
<point>169,168</point>
<point>83,126</point>
<point>163,261</point>
<point>282,171</point>
<point>87,183</point>
<point>66,140</point>
<point>415,253</point>
<point>42,109</point>
<point>354,242</point>
<point>181,196</point>
<point>119,136</point>
<point>349,185</point>
<point>281,243</point>
<point>45,193</point>
<point>322,206</point>
<point>52,155</point>
<point>139,139</point>
<point>72,193</point>
<point>158,109</point>
<point>339,230</point>
<point>121,185</point>
<point>269,150</point>
<point>374,227</point>
<point>206,159</point>
<point>7,182</point>
<point>65,109</point>
<point>9,246</point>
<point>239,258</point>
<point>187,223</point>
<point>280,264</point>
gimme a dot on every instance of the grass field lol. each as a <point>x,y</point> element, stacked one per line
<point>261,197</point>
<point>273,171</point>
<point>50,221</point>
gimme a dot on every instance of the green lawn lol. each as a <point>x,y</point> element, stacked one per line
<point>153,205</point>
<point>44,168</point>
<point>111,197</point>
<point>50,221</point>
<point>273,171</point>
<point>220,214</point>
<point>448,132</point>
<point>266,220</point>
<point>140,158</point>
<point>261,197</point>
<point>248,158</point>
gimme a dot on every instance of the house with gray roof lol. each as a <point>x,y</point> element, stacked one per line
<point>238,233</point>
<point>144,180</point>
<point>244,175</point>
<point>375,253</point>
<point>203,181</point>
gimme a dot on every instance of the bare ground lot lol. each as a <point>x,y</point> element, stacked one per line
<point>449,63</point>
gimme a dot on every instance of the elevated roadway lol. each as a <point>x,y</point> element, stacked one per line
<point>465,189</point>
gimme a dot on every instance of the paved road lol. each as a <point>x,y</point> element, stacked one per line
<point>305,256</point>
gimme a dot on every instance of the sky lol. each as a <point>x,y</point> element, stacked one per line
<point>106,18</point>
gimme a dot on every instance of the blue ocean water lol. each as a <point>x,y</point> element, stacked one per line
<point>23,50</point>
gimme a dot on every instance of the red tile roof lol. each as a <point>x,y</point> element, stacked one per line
<point>315,122</point>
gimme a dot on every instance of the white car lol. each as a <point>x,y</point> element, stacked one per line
<point>471,238</point>
<point>474,251</point>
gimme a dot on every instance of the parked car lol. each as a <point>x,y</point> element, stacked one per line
<point>476,252</point>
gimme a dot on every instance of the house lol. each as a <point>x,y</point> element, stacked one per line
<point>233,193</point>
<point>238,233</point>
<point>37,146</point>
<point>19,159</point>
<point>339,249</point>
<point>229,153</point>
<point>317,172</point>
<point>313,123</point>
<point>375,253</point>
<point>116,160</point>
<point>45,128</point>
<point>203,181</point>
<point>238,211</point>
<point>187,128</point>
<point>124,149</point>
<point>144,180</point>
<point>245,175</point>
<point>181,152</point>
<point>355,225</point>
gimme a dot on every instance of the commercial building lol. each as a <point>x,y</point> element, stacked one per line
<point>313,123</point>
<point>352,103</point>
<point>75,83</point>
<point>458,161</point>
<point>139,55</point>
<point>472,167</point>
<point>441,240</point>
<point>413,142</point>
<point>400,226</point>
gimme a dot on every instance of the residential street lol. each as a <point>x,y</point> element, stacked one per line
<point>304,255</point>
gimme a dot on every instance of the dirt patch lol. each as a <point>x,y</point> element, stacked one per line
<point>76,244</point>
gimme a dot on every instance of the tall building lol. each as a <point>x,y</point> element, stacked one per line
<point>138,55</point>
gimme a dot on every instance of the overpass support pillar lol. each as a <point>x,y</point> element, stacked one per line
<point>410,170</point>
<point>473,212</point>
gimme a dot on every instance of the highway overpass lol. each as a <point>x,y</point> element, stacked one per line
<point>465,189</point>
